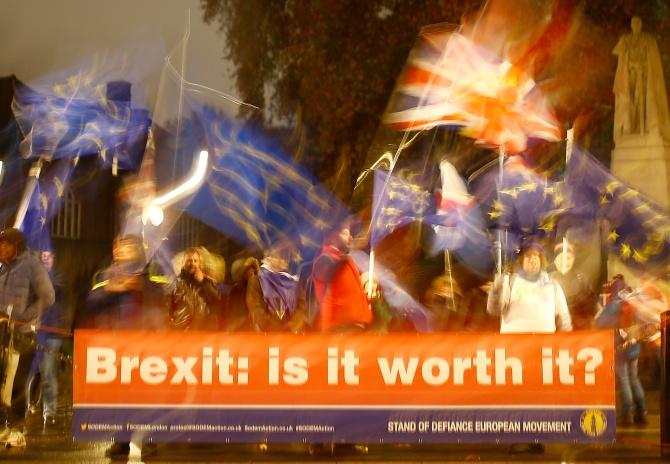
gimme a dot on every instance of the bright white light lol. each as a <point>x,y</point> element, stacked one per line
<point>1,173</point>
<point>188,186</point>
<point>154,214</point>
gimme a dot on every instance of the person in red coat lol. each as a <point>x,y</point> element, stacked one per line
<point>343,303</point>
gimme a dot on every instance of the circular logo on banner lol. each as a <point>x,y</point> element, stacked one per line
<point>593,422</point>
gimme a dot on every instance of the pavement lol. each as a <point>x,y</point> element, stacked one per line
<point>55,445</point>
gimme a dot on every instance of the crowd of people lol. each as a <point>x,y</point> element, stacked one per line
<point>333,295</point>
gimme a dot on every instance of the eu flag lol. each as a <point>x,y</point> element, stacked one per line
<point>396,202</point>
<point>256,194</point>
<point>45,202</point>
<point>67,126</point>
<point>638,227</point>
<point>520,202</point>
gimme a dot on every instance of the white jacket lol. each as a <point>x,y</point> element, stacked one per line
<point>527,306</point>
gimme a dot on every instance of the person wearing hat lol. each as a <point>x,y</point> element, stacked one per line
<point>25,291</point>
<point>528,300</point>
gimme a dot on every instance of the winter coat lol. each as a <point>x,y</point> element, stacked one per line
<point>529,306</point>
<point>26,287</point>
<point>194,305</point>
<point>130,309</point>
<point>339,291</point>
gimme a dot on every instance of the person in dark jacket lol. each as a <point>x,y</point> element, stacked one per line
<point>125,296</point>
<point>25,291</point>
<point>235,317</point>
<point>195,300</point>
<point>55,324</point>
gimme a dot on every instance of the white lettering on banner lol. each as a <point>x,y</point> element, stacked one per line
<point>153,370</point>
<point>451,426</point>
<point>493,367</point>
<point>398,368</point>
<point>547,426</point>
<point>401,426</point>
<point>295,368</point>
<point>499,426</point>
<point>591,356</point>
<point>349,362</point>
<point>435,371</point>
<point>102,366</point>
<point>184,370</point>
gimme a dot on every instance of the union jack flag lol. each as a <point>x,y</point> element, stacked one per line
<point>450,81</point>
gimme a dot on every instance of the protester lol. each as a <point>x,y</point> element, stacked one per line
<point>25,291</point>
<point>343,303</point>
<point>619,314</point>
<point>195,301</point>
<point>235,317</point>
<point>444,299</point>
<point>581,298</point>
<point>127,297</point>
<point>273,295</point>
<point>528,300</point>
<point>54,325</point>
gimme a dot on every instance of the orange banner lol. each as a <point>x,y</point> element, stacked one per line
<point>272,370</point>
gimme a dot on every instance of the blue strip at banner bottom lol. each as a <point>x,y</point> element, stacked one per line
<point>211,425</point>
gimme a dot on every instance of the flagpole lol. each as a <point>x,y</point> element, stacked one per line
<point>499,243</point>
<point>569,138</point>
<point>447,265</point>
<point>33,177</point>
<point>371,275</point>
<point>568,154</point>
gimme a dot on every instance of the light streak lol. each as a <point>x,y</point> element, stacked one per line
<point>153,212</point>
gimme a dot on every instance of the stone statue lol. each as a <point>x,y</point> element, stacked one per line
<point>641,105</point>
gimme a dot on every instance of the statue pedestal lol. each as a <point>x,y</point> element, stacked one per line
<point>643,162</point>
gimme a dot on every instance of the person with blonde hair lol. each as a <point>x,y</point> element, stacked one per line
<point>195,301</point>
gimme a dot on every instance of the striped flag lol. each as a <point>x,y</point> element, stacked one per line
<point>450,81</point>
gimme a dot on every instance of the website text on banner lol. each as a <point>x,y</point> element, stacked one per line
<point>215,387</point>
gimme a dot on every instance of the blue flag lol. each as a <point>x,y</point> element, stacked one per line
<point>396,202</point>
<point>256,194</point>
<point>45,203</point>
<point>524,205</point>
<point>639,227</point>
<point>64,126</point>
